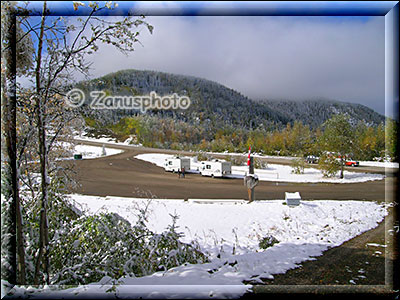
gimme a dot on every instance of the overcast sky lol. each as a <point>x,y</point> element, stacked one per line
<point>340,58</point>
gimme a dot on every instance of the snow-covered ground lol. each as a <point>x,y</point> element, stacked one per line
<point>383,164</point>
<point>89,152</point>
<point>274,172</point>
<point>105,140</point>
<point>230,231</point>
<point>256,155</point>
<point>94,151</point>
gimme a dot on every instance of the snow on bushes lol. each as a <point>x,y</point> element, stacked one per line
<point>267,242</point>
<point>85,248</point>
<point>107,245</point>
<point>298,165</point>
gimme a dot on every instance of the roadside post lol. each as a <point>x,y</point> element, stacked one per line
<point>250,180</point>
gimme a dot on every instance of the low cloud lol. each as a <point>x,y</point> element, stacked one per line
<point>340,58</point>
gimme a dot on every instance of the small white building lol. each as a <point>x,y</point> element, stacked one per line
<point>176,164</point>
<point>216,168</point>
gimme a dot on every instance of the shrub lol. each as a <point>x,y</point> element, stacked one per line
<point>260,163</point>
<point>298,165</point>
<point>236,160</point>
<point>201,156</point>
<point>267,242</point>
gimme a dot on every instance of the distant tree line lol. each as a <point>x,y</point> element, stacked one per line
<point>367,142</point>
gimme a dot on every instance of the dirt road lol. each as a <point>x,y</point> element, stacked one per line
<point>123,175</point>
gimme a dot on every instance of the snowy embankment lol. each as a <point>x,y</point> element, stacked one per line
<point>229,232</point>
<point>89,152</point>
<point>95,152</point>
<point>274,172</point>
<point>380,164</point>
<point>255,155</point>
<point>105,140</point>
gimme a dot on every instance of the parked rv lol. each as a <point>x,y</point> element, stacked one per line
<point>216,168</point>
<point>176,164</point>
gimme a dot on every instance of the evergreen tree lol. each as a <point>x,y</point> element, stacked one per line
<point>338,137</point>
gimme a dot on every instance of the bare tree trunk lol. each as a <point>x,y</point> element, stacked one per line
<point>43,254</point>
<point>341,167</point>
<point>20,241</point>
<point>43,236</point>
<point>15,247</point>
<point>8,118</point>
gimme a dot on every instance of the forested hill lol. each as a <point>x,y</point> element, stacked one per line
<point>217,105</point>
<point>316,112</point>
<point>211,103</point>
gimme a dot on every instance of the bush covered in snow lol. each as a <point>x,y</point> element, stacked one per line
<point>85,248</point>
<point>267,242</point>
<point>298,165</point>
<point>201,156</point>
<point>107,245</point>
<point>260,163</point>
<point>236,160</point>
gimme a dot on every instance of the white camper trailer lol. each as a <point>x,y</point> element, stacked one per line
<point>176,164</point>
<point>216,168</point>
